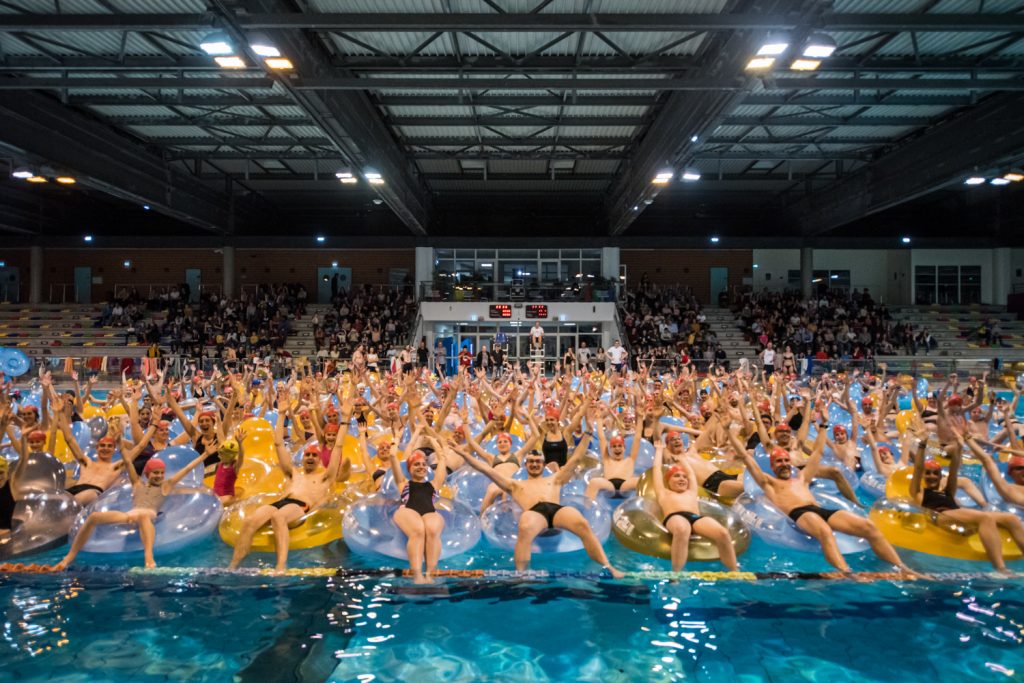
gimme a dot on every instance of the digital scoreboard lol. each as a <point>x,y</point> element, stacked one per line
<point>538,311</point>
<point>499,311</point>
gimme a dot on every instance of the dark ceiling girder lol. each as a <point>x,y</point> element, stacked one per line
<point>980,139</point>
<point>521,120</point>
<point>337,83</point>
<point>46,130</point>
<point>351,121</point>
<point>509,22</point>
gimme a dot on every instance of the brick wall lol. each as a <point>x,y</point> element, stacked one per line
<point>160,267</point>
<point>687,267</point>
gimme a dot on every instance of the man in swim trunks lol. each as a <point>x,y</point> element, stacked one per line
<point>709,477</point>
<point>304,491</point>
<point>538,496</point>
<point>95,477</point>
<point>617,470</point>
<point>789,490</point>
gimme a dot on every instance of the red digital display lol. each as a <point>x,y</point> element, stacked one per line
<point>499,311</point>
<point>537,311</point>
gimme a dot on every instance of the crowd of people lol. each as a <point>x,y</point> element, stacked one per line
<point>370,324</point>
<point>441,428</point>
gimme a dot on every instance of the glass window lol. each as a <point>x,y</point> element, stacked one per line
<point>549,253</point>
<point>948,285</point>
<point>970,284</point>
<point>484,253</point>
<point>590,268</point>
<point>924,285</point>
<point>591,253</point>
<point>444,253</point>
<point>518,254</point>
<point>570,254</point>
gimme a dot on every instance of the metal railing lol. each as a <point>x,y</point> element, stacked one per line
<point>445,290</point>
<point>62,293</point>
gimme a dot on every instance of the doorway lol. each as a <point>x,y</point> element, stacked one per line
<point>331,280</point>
<point>194,280</point>
<point>83,285</point>
<point>10,285</point>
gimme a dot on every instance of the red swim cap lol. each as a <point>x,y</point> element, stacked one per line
<point>837,430</point>
<point>1014,462</point>
<point>671,471</point>
<point>617,439</point>
<point>932,465</point>
<point>153,464</point>
<point>673,434</point>
<point>37,435</point>
<point>416,455</point>
<point>108,440</point>
<point>331,429</point>
<point>783,427</point>
<point>955,401</point>
<point>777,454</point>
<point>504,436</point>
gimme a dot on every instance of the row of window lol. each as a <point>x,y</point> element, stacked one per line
<point>947,285</point>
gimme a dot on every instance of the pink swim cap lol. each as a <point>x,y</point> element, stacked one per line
<point>153,464</point>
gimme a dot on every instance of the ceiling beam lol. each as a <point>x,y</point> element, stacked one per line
<point>326,83</point>
<point>514,22</point>
<point>351,121</point>
<point>44,130</point>
<point>525,120</point>
<point>979,140</point>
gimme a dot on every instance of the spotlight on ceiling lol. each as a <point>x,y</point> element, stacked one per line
<point>217,44</point>
<point>819,46</point>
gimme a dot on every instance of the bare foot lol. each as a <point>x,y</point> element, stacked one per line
<point>61,566</point>
<point>616,574</point>
<point>150,564</point>
<point>280,569</point>
<point>419,578</point>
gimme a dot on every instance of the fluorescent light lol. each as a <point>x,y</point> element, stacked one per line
<point>320,238</point>
<point>217,44</point>
<point>346,176</point>
<point>714,240</point>
<point>87,238</point>
<point>127,264</point>
<point>974,180</point>
<point>694,138</point>
<point>36,179</point>
<point>691,174</point>
<point>999,181</point>
<point>817,279</point>
<point>758,63</point>
<point>905,240</point>
<point>756,266</point>
<point>279,63</point>
<point>805,64</point>
<point>833,277</point>
<point>23,172</point>
<point>819,46</point>
<point>486,265</point>
<point>334,264</point>
<point>230,62</point>
<point>1014,177</point>
<point>663,177</point>
<point>261,45</point>
<point>373,177</point>
<point>146,207</point>
<point>65,180</point>
<point>774,45</point>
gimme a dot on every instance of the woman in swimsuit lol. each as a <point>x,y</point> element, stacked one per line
<point>676,493</point>
<point>147,497</point>
<point>505,462</point>
<point>416,516</point>
<point>943,501</point>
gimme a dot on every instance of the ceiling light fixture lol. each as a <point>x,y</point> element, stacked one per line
<point>36,179</point>
<point>760,63</point>
<point>691,174</point>
<point>279,63</point>
<point>974,180</point>
<point>217,44</point>
<point>230,62</point>
<point>261,45</point>
<point>23,173</point>
<point>1014,177</point>
<point>819,46</point>
<point>805,64</point>
<point>373,177</point>
<point>346,177</point>
<point>999,181</point>
<point>774,45</point>
<point>65,180</point>
<point>663,176</point>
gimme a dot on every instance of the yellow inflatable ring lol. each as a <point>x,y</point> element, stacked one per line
<point>318,527</point>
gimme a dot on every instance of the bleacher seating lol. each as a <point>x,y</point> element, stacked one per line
<point>39,329</point>
<point>954,328</point>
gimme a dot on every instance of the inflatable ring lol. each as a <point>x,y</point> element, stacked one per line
<point>500,524</point>
<point>14,363</point>
<point>369,528</point>
<point>41,522</point>
<point>317,527</point>
<point>898,486</point>
<point>188,515</point>
<point>906,525</point>
<point>637,525</point>
<point>776,528</point>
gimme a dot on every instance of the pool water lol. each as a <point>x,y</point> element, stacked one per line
<point>104,622</point>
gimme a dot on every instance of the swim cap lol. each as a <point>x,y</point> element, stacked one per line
<point>671,471</point>
<point>331,429</point>
<point>504,436</point>
<point>673,434</point>
<point>955,401</point>
<point>1014,462</point>
<point>163,424</point>
<point>777,454</point>
<point>108,440</point>
<point>28,409</point>
<point>153,464</point>
<point>932,465</point>
<point>783,427</point>
<point>552,414</point>
<point>617,439</point>
<point>764,407</point>
<point>837,430</point>
<point>705,408</point>
<point>416,455</point>
<point>866,402</point>
<point>311,448</point>
<point>884,449</point>
<point>208,413</point>
<point>37,435</point>
<point>229,447</point>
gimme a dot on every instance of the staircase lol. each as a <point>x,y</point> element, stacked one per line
<point>723,323</point>
<point>300,342</point>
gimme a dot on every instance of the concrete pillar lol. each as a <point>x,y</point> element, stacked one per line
<point>227,270</point>
<point>806,270</point>
<point>35,275</point>
<point>1002,275</point>
<point>424,267</point>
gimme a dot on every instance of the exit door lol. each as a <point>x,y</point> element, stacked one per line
<point>719,285</point>
<point>330,281</point>
<point>83,285</point>
<point>10,284</point>
<point>194,280</point>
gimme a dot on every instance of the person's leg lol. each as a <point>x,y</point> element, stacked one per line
<point>1013,524</point>
<point>712,530</point>
<point>491,494</point>
<point>572,520</point>
<point>243,544</point>
<point>849,523</point>
<point>833,474</point>
<point>412,525</point>
<point>971,489</point>
<point>91,522</point>
<point>530,524</point>
<point>730,488</point>
<point>433,524</point>
<point>822,532</point>
<point>83,498</point>
<point>280,521</point>
<point>147,532</point>
<point>597,484</point>
<point>680,530</point>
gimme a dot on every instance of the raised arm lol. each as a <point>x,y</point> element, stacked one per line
<point>182,473</point>
<point>814,461</point>
<point>753,469</point>
<point>503,482</point>
<point>284,460</point>
<point>657,480</point>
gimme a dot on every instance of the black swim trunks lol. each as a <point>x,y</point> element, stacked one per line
<point>78,488</point>
<point>824,513</point>
<point>549,510</point>
<point>715,480</point>
<point>688,516</point>
<point>617,483</point>
<point>290,501</point>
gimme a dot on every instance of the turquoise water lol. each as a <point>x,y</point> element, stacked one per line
<point>107,624</point>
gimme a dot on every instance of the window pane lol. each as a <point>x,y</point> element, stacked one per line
<point>948,289</point>
<point>924,285</point>
<point>591,253</point>
<point>970,284</point>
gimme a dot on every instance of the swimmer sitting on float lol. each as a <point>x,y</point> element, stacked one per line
<point>617,469</point>
<point>538,496</point>
<point>676,493</point>
<point>147,498</point>
<point>789,490</point>
<point>96,476</point>
<point>304,491</point>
